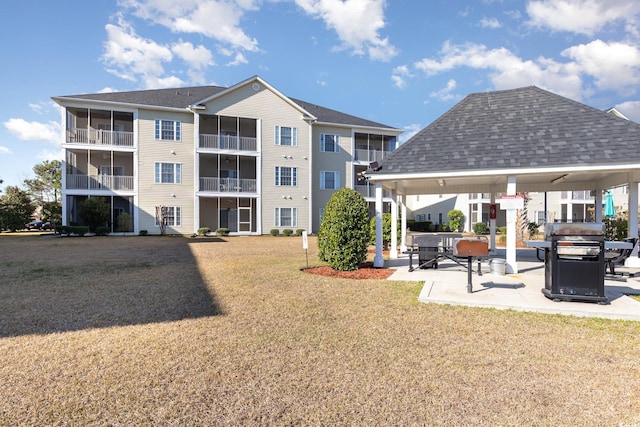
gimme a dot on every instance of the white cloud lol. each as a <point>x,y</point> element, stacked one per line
<point>409,132</point>
<point>216,19</point>
<point>582,16</point>
<point>49,155</point>
<point>614,66</point>
<point>492,23</point>
<point>445,94</point>
<point>399,76</point>
<point>197,57</point>
<point>238,60</point>
<point>631,109</point>
<point>4,150</point>
<point>506,70</point>
<point>34,131</point>
<point>357,24</point>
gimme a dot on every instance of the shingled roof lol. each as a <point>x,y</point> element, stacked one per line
<point>184,97</point>
<point>515,129</point>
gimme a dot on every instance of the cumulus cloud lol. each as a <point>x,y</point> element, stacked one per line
<point>400,75</point>
<point>409,132</point>
<point>582,16</point>
<point>631,109</point>
<point>445,94</point>
<point>4,150</point>
<point>492,23</point>
<point>34,131</point>
<point>357,23</point>
<point>197,57</point>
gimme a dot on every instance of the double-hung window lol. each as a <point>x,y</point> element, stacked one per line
<point>329,180</point>
<point>286,136</point>
<point>168,173</point>
<point>329,143</point>
<point>286,176</point>
<point>286,217</point>
<point>167,130</point>
<point>172,216</point>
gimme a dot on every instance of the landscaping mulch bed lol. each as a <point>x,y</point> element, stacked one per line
<point>366,271</point>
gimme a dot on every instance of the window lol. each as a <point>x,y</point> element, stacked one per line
<point>286,217</point>
<point>329,143</point>
<point>286,136</point>
<point>172,215</point>
<point>286,176</point>
<point>168,173</point>
<point>329,180</point>
<point>167,130</point>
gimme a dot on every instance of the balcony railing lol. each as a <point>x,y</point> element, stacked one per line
<point>370,191</point>
<point>364,155</point>
<point>228,185</point>
<point>227,142</point>
<point>100,137</point>
<point>99,182</point>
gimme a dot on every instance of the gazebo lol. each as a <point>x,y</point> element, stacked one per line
<point>512,141</point>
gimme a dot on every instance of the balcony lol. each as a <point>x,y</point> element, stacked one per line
<point>228,142</point>
<point>369,191</point>
<point>99,182</point>
<point>364,155</point>
<point>228,185</point>
<point>99,137</point>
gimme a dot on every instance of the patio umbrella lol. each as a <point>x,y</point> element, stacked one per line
<point>609,209</point>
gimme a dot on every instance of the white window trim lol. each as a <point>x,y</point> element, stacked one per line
<point>278,217</point>
<point>177,219</point>
<point>177,130</point>
<point>157,173</point>
<point>294,136</point>
<point>336,143</point>
<point>294,176</point>
<point>336,180</point>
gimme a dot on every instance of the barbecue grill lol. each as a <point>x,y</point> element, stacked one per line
<point>574,262</point>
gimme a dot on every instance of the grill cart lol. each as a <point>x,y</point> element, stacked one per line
<point>574,262</point>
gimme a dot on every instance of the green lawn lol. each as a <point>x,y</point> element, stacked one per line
<point>180,331</point>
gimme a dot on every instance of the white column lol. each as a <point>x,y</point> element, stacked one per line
<point>403,223</point>
<point>393,249</point>
<point>512,265</point>
<point>598,206</point>
<point>492,224</point>
<point>632,231</point>
<point>378,260</point>
<point>196,172</point>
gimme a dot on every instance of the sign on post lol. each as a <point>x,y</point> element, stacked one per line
<point>305,246</point>
<point>515,201</point>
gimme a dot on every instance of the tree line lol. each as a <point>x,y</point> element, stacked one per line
<point>38,199</point>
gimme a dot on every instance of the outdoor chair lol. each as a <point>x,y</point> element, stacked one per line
<point>614,257</point>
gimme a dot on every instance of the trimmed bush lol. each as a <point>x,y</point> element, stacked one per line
<point>80,230</point>
<point>456,219</point>
<point>274,232</point>
<point>143,232</point>
<point>222,231</point>
<point>287,232</point>
<point>299,231</point>
<point>480,228</point>
<point>203,230</point>
<point>344,232</point>
<point>102,231</point>
<point>420,226</point>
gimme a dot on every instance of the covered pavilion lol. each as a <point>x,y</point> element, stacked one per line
<point>512,142</point>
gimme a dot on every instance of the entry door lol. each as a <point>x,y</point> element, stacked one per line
<point>244,219</point>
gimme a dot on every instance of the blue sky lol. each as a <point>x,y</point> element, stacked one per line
<point>399,62</point>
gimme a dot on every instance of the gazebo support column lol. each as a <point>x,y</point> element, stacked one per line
<point>598,206</point>
<point>632,231</point>
<point>492,225</point>
<point>393,245</point>
<point>512,216</point>
<point>403,223</point>
<point>378,260</point>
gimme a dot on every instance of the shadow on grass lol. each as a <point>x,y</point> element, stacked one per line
<point>68,284</point>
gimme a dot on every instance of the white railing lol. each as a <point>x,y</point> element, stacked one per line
<point>99,182</point>
<point>228,185</point>
<point>364,155</point>
<point>100,137</point>
<point>227,142</point>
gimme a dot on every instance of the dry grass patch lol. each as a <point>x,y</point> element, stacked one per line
<point>233,332</point>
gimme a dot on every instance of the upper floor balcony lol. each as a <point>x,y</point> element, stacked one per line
<point>228,185</point>
<point>99,137</point>
<point>228,142</point>
<point>228,133</point>
<point>366,155</point>
<point>99,182</point>
<point>99,127</point>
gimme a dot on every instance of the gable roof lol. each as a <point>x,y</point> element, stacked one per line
<point>525,128</point>
<point>185,97</point>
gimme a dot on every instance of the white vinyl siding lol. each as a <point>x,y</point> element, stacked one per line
<point>286,136</point>
<point>329,180</point>
<point>329,143</point>
<point>167,130</point>
<point>286,217</point>
<point>286,176</point>
<point>168,173</point>
<point>173,216</point>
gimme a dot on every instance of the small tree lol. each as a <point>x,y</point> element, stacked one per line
<point>456,219</point>
<point>124,222</point>
<point>94,212</point>
<point>343,237</point>
<point>386,230</point>
<point>16,208</point>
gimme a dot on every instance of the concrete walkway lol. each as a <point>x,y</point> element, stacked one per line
<point>522,292</point>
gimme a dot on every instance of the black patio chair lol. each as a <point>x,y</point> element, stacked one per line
<point>614,257</point>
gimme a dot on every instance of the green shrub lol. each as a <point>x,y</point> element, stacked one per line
<point>502,230</point>
<point>420,226</point>
<point>143,232</point>
<point>480,228</point>
<point>274,232</point>
<point>222,231</point>
<point>80,230</point>
<point>102,231</point>
<point>344,233</point>
<point>299,231</point>
<point>456,219</point>
<point>203,230</point>
<point>287,232</point>
<point>615,229</point>
<point>386,230</point>
<point>95,212</point>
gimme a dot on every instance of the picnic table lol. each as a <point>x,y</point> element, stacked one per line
<point>431,248</point>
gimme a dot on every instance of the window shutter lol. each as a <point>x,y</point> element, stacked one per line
<point>157,129</point>
<point>322,180</point>
<point>277,175</point>
<point>178,171</point>
<point>157,179</point>
<point>294,217</point>
<point>294,137</point>
<point>277,135</point>
<point>294,177</point>
<point>277,222</point>
<point>177,216</point>
<point>336,184</point>
<point>177,131</point>
<point>322,142</point>
<point>336,142</point>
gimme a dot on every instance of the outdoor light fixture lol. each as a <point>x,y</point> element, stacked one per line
<point>441,182</point>
<point>559,179</point>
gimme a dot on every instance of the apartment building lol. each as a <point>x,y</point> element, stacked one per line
<point>245,157</point>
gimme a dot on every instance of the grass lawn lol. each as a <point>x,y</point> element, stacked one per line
<point>181,331</point>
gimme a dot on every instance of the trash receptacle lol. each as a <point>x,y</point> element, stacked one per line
<point>498,266</point>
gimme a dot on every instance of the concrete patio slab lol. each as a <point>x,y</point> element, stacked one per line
<point>522,291</point>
